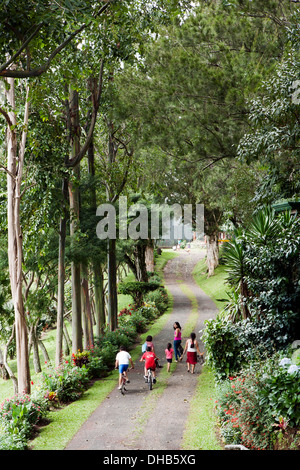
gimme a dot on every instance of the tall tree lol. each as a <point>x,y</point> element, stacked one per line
<point>14,170</point>
<point>201,72</point>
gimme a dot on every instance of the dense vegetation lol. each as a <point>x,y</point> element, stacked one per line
<point>250,345</point>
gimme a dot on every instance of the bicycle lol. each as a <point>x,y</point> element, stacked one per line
<point>150,379</point>
<point>124,381</point>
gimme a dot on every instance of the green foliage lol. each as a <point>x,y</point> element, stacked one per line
<point>230,346</point>
<point>66,380</point>
<point>274,120</point>
<point>281,391</point>
<point>252,405</point>
<point>221,338</point>
<point>19,414</point>
<point>12,442</point>
<point>137,289</point>
<point>137,321</point>
<point>263,259</point>
<point>160,298</point>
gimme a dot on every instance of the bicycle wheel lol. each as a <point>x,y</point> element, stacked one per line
<point>150,379</point>
<point>123,389</point>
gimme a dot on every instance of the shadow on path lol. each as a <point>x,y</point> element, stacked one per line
<point>143,419</point>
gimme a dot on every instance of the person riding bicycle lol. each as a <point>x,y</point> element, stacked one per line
<point>122,361</point>
<point>149,343</point>
<point>149,357</point>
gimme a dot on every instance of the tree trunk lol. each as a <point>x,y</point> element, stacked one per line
<point>140,262</point>
<point>243,295</point>
<point>111,252</point>
<point>96,266</point>
<point>112,285</point>
<point>149,256</point>
<point>4,373</point>
<point>15,162</point>
<point>99,298</point>
<point>212,253</point>
<point>34,342</point>
<point>86,309</point>
<point>68,342</point>
<point>74,213</point>
<point>61,279</point>
<point>44,351</point>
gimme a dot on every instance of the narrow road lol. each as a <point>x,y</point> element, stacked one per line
<point>143,420</point>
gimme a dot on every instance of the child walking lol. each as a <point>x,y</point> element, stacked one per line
<point>169,355</point>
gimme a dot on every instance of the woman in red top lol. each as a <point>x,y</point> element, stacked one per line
<point>149,358</point>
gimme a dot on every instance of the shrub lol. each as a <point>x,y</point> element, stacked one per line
<point>117,338</point>
<point>263,267</point>
<point>281,391</point>
<point>230,346</point>
<point>66,380</point>
<point>18,415</point>
<point>108,353</point>
<point>13,442</point>
<point>240,409</point>
<point>257,402</point>
<point>96,367</point>
<point>138,290</point>
<point>81,358</point>
<point>223,347</point>
<point>129,330</point>
<point>138,321</point>
<point>160,298</point>
<point>149,311</point>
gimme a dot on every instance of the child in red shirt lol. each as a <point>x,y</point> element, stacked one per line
<point>149,358</point>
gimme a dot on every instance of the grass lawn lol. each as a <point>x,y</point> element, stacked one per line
<point>215,286</point>
<point>200,431</point>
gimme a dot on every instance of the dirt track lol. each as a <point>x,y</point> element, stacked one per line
<point>139,422</point>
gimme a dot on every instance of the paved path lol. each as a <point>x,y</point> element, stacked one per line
<point>139,420</point>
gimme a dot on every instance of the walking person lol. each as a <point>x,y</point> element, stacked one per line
<point>169,356</point>
<point>177,340</point>
<point>191,348</point>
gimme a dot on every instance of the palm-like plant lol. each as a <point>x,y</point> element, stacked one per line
<point>234,255</point>
<point>263,227</point>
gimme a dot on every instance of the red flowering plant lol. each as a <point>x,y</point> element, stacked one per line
<point>244,418</point>
<point>125,315</point>
<point>124,311</point>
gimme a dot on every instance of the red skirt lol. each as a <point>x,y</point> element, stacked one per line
<point>191,357</point>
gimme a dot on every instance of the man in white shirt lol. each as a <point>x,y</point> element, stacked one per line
<point>122,361</point>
